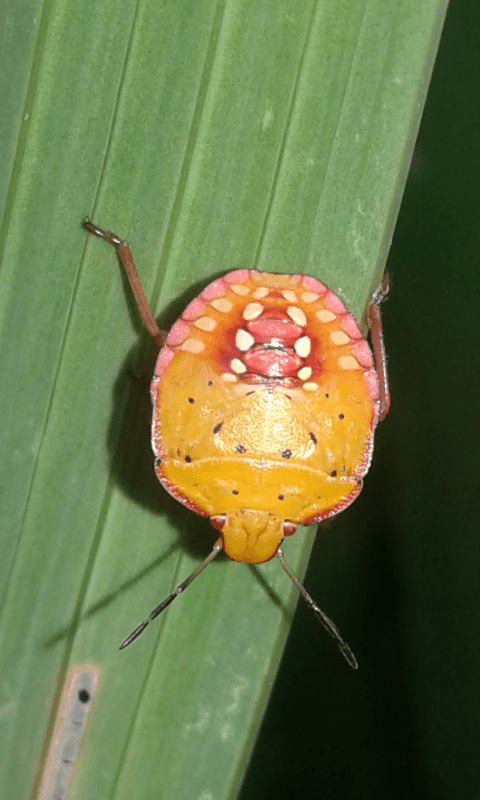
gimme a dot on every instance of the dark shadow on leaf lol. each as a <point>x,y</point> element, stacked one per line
<point>129,436</point>
<point>271,593</point>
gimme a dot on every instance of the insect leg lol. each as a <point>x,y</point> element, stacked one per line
<point>376,333</point>
<point>126,257</point>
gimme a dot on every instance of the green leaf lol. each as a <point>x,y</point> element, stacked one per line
<point>212,135</point>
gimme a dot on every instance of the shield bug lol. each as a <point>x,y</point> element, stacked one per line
<point>265,400</point>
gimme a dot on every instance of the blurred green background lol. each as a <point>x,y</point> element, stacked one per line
<point>401,567</point>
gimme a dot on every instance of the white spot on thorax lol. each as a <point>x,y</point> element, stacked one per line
<point>309,297</point>
<point>348,362</point>
<point>193,345</point>
<point>261,292</point>
<point>205,324</point>
<point>304,373</point>
<point>222,304</point>
<point>325,315</point>
<point>339,338</point>
<point>244,340</point>
<point>252,311</point>
<point>296,314</point>
<point>238,366</point>
<point>239,288</point>
<point>289,296</point>
<point>303,346</point>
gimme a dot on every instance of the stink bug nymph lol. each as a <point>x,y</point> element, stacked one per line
<point>265,400</point>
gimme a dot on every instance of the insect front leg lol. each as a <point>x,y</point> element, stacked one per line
<point>125,255</point>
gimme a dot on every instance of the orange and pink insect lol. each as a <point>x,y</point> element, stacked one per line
<point>265,400</point>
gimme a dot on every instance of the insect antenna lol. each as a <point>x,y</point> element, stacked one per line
<point>217,547</point>
<point>320,615</point>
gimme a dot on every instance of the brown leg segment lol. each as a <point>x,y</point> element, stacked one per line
<point>376,334</point>
<point>126,257</point>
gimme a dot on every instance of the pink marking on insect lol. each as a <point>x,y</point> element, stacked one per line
<point>194,309</point>
<point>272,363</point>
<point>349,325</point>
<point>371,379</point>
<point>333,303</point>
<point>163,360</point>
<point>363,353</point>
<point>215,289</point>
<point>313,285</point>
<point>178,332</point>
<point>236,276</point>
<point>265,330</point>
